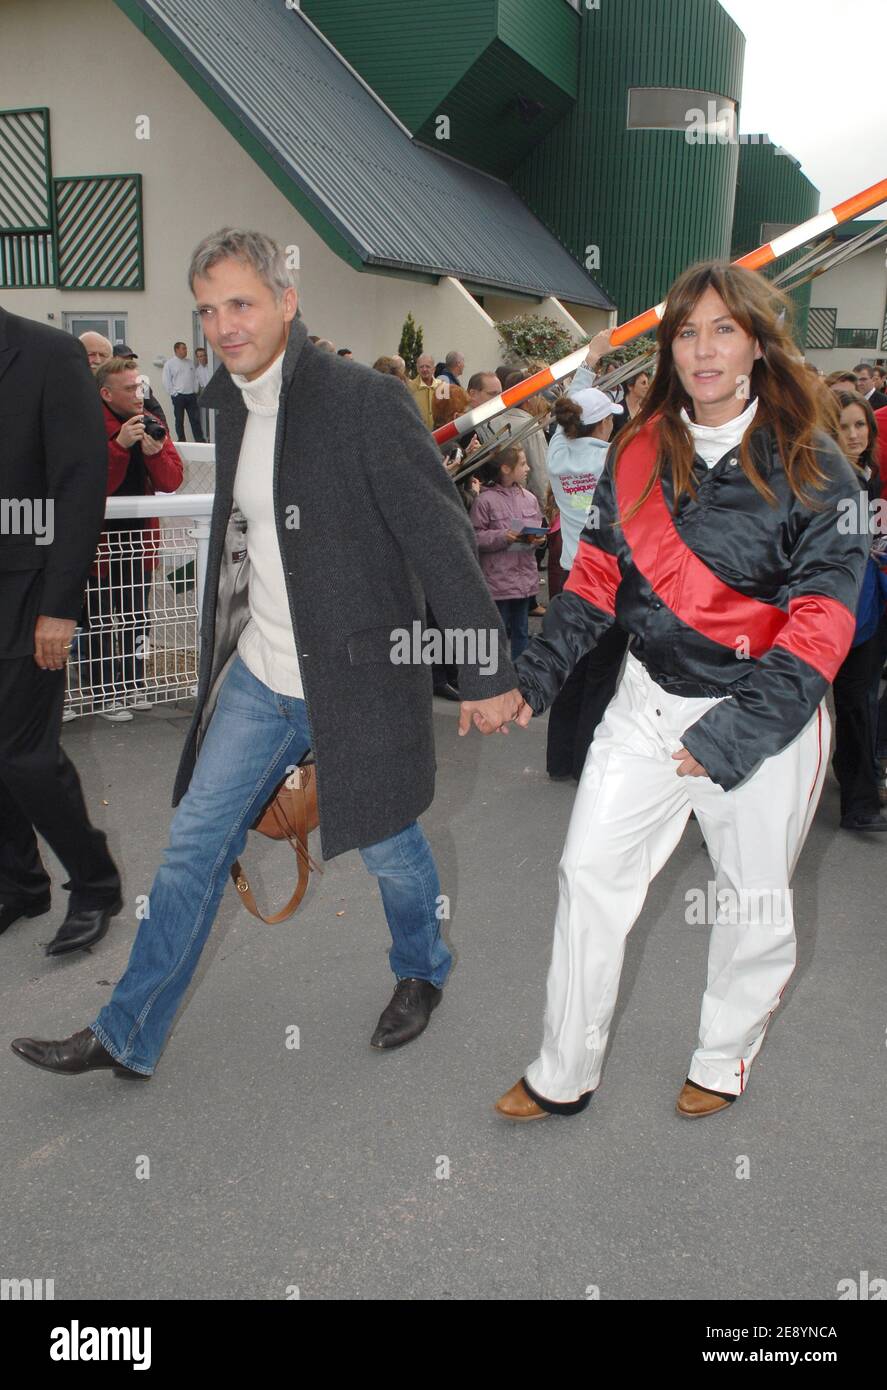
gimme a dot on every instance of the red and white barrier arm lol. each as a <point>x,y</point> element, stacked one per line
<point>642,323</point>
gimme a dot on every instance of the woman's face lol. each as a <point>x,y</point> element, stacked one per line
<point>854,431</point>
<point>713,357</point>
<point>640,388</point>
<point>517,476</point>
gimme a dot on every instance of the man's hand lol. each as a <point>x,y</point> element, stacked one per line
<point>133,432</point>
<point>151,446</point>
<point>689,767</point>
<point>52,638</point>
<point>494,715</point>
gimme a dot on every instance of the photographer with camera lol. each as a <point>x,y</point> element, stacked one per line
<point>142,459</point>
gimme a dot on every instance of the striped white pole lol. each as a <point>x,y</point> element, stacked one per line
<point>633,328</point>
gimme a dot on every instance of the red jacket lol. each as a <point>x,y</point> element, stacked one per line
<point>881,422</point>
<point>163,472</point>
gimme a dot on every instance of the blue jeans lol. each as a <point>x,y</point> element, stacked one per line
<point>254,737</point>
<point>515,614</point>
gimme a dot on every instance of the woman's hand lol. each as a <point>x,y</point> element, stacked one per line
<point>598,347</point>
<point>689,767</point>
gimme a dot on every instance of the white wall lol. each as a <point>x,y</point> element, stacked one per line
<point>96,73</point>
<point>858,290</point>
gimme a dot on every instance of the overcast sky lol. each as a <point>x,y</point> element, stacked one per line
<point>816,82</point>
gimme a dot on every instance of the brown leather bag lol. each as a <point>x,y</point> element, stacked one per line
<point>291,814</point>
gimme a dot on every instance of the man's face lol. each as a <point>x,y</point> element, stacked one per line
<point>864,381</point>
<point>425,368</point>
<point>245,325</point>
<point>180,350</point>
<point>98,349</point>
<point>844,384</point>
<point>201,357</point>
<point>491,387</point>
<point>714,356</point>
<point>123,393</point>
<point>458,366</point>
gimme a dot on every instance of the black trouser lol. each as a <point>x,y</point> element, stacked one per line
<point>441,673</point>
<point>187,400</point>
<point>123,589</point>
<point>40,790</point>
<point>579,707</point>
<point>854,758</point>
<point>881,740</point>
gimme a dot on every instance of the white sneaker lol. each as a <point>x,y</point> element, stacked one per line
<point>115,714</point>
<point>67,716</point>
<point>142,704</point>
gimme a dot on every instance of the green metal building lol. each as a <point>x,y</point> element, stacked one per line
<point>587,112</point>
<point>772,195</point>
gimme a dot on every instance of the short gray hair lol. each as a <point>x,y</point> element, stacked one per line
<point>253,248</point>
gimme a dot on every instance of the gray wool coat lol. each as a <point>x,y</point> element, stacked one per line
<point>380,528</point>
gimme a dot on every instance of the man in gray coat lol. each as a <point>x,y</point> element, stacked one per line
<point>334,522</point>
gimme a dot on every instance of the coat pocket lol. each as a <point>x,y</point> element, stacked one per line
<point>371,644</point>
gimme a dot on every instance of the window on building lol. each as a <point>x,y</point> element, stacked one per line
<point>856,337</point>
<point>111,326</point>
<point>681,108</point>
<point>821,327</point>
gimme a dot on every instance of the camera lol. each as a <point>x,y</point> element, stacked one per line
<point>153,428</point>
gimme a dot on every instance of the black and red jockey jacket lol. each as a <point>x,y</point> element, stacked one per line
<point>727,596</point>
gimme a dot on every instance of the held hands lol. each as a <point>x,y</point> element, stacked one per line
<point>494,715</point>
<point>688,767</point>
<point>52,640</point>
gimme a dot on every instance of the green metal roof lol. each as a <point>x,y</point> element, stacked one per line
<point>378,199</point>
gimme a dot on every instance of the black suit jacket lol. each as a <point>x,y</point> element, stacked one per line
<point>52,451</point>
<point>877,400</point>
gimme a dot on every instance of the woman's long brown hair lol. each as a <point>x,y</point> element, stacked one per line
<point>788,398</point>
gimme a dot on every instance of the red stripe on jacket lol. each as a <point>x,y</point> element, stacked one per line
<point>595,576</point>
<point>678,576</point>
<point>819,632</point>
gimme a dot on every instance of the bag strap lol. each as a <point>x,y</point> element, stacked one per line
<point>299,842</point>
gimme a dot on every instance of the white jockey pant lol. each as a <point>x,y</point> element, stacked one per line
<point>630,812</point>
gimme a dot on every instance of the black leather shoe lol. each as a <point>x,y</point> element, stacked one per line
<point>408,1013</point>
<point>83,928</point>
<point>863,823</point>
<point>81,1052</point>
<point>14,908</point>
<point>447,692</point>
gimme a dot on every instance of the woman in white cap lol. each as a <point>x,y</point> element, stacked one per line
<point>576,457</point>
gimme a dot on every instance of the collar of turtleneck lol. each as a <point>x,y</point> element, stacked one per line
<point>712,442</point>
<point>262,395</point>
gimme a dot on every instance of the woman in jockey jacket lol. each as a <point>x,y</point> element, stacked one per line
<point>715,543</point>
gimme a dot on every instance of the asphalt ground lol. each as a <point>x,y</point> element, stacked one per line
<point>352,1174</point>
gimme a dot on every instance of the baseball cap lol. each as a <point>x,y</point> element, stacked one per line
<point>124,350</point>
<point>596,405</point>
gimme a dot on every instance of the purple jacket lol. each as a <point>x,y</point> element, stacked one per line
<point>509,573</point>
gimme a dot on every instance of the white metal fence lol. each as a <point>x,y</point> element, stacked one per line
<point>137,643</point>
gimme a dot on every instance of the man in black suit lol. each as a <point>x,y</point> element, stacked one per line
<point>54,470</point>
<point>867,386</point>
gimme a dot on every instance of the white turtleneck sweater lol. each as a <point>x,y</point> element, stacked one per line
<point>713,441</point>
<point>266,645</point>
